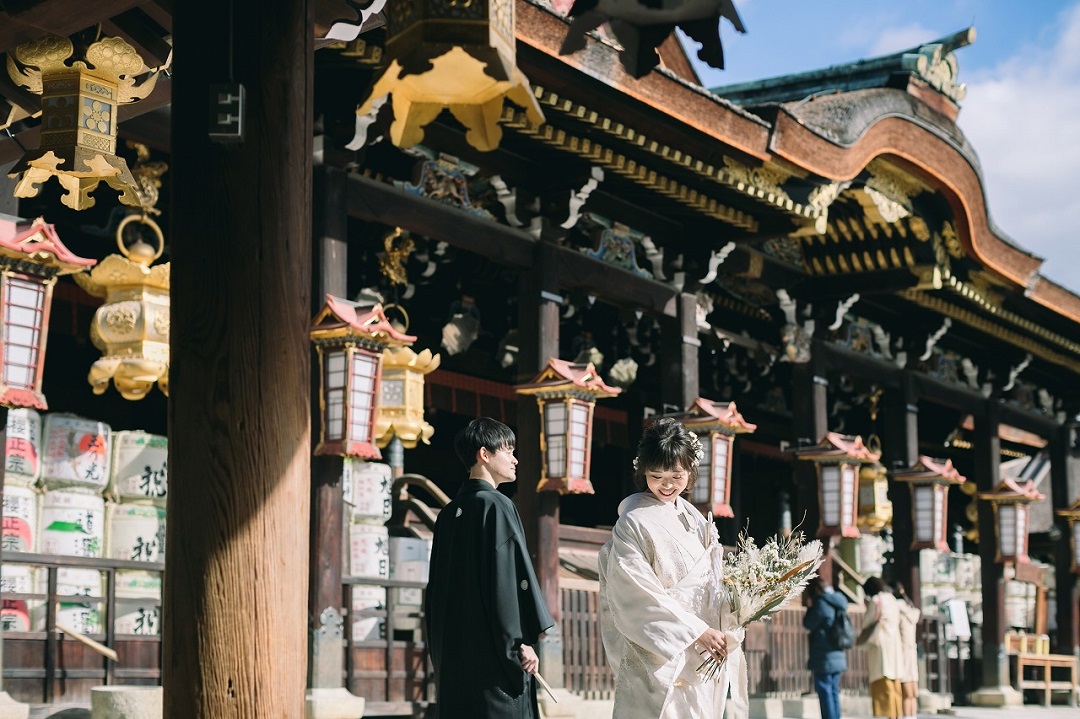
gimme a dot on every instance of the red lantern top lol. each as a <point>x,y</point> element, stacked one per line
<point>1009,491</point>
<point>38,244</point>
<point>837,447</point>
<point>341,319</point>
<point>705,415</point>
<point>930,471</point>
<point>567,378</point>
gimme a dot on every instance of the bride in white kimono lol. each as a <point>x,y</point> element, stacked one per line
<point>660,592</point>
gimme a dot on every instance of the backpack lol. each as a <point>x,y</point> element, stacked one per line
<point>841,633</point>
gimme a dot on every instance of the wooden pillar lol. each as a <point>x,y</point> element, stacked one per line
<point>235,590</point>
<point>679,356</point>
<point>538,330</point>
<point>987,449</point>
<point>900,447</point>
<point>810,393</point>
<point>1068,596</point>
<point>325,567</point>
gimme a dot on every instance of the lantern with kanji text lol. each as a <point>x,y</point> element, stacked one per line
<point>1011,501</point>
<point>31,258</point>
<point>566,393</point>
<point>929,480</point>
<point>349,338</point>
<point>716,423</point>
<point>1072,514</point>
<point>837,459</point>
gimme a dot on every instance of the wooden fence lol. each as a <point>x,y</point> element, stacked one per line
<point>776,651</point>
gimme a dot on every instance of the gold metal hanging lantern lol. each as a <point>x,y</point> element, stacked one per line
<point>400,410</point>
<point>131,328</point>
<point>79,105</point>
<point>454,55</point>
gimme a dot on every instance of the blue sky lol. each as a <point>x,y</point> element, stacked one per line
<point>1021,114</point>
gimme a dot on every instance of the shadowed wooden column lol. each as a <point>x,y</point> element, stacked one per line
<point>235,592</point>
<point>987,449</point>
<point>1068,598</point>
<point>900,447</point>
<point>809,398</point>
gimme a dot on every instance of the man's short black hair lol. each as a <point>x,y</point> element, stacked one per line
<point>491,434</point>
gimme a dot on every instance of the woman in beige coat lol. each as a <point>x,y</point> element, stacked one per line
<point>909,663</point>
<point>881,637</point>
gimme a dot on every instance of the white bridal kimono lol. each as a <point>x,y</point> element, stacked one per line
<point>659,591</point>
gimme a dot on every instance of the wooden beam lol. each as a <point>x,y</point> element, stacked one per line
<point>377,201</point>
<point>137,28</point>
<point>59,17</point>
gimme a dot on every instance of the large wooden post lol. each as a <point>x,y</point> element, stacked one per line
<point>1068,596</point>
<point>901,449</point>
<point>538,323</point>
<point>679,356</point>
<point>810,392</point>
<point>235,596</point>
<point>995,689</point>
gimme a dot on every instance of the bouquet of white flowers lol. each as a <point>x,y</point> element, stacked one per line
<point>758,581</point>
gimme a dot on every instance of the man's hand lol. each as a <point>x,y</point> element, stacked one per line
<point>529,661</point>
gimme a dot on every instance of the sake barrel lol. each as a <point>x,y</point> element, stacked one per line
<point>76,452</point>
<point>72,523</point>
<point>19,579</point>
<point>369,551</point>
<point>15,616</point>
<point>368,486</point>
<point>136,532</point>
<point>22,508</point>
<point>138,602</point>
<point>138,617</point>
<point>138,585</point>
<point>22,447</point>
<point>82,617</point>
<point>79,582</point>
<point>409,559</point>
<point>140,467</point>
<point>366,629</point>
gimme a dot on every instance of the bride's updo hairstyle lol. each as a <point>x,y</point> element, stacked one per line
<point>666,445</point>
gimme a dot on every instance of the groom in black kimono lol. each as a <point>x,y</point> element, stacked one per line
<point>484,607</point>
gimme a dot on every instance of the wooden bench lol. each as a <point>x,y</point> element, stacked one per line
<point>1031,652</point>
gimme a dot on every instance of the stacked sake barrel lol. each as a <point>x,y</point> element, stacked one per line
<point>22,513</point>
<point>366,486</point>
<point>74,474</point>
<point>136,520</point>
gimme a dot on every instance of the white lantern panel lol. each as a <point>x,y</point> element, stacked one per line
<point>579,439</point>
<point>555,438</point>
<point>1021,528</point>
<point>923,501</point>
<point>939,512</point>
<point>334,390</point>
<point>1076,541</point>
<point>719,464</point>
<point>830,495</point>
<point>847,499</point>
<point>1006,516</point>
<point>23,317</point>
<point>701,491</point>
<point>361,396</point>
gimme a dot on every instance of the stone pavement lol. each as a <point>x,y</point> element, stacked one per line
<point>1027,711</point>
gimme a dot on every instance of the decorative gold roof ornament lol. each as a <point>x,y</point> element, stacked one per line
<point>79,105</point>
<point>458,56</point>
<point>131,328</point>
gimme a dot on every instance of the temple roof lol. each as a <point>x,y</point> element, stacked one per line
<point>931,63</point>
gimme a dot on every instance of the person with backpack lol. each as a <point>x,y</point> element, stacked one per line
<point>830,635</point>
